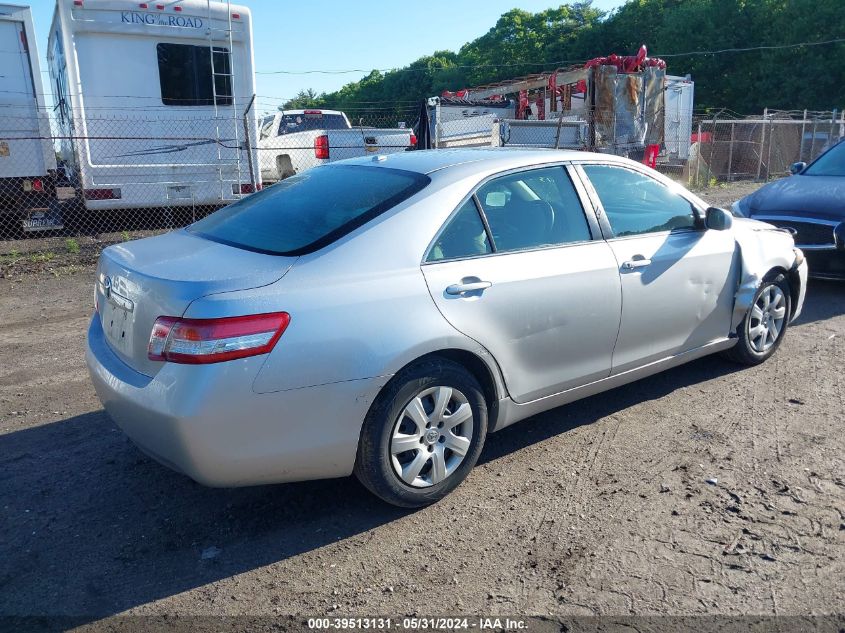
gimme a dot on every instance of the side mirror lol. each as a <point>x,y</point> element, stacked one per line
<point>718,219</point>
<point>797,168</point>
<point>839,236</point>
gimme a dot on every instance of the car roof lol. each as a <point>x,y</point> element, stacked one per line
<point>494,158</point>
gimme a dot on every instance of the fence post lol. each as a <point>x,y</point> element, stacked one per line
<point>803,127</point>
<point>712,150</point>
<point>762,143</point>
<point>769,152</point>
<point>248,141</point>
<point>698,156</point>
<point>841,126</point>
<point>731,153</point>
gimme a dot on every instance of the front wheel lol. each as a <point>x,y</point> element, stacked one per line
<point>423,434</point>
<point>764,326</point>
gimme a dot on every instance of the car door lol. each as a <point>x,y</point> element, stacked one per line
<point>521,269</point>
<point>678,278</point>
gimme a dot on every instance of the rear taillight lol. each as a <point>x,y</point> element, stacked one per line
<point>321,146</point>
<point>102,194</point>
<point>36,184</point>
<point>245,187</point>
<point>200,341</point>
<point>413,140</point>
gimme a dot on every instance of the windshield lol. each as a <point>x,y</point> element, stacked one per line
<point>313,120</point>
<point>311,210</point>
<point>831,163</point>
<point>266,126</point>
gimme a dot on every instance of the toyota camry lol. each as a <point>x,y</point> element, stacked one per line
<point>380,316</point>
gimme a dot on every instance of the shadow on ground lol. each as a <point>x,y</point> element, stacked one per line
<point>91,527</point>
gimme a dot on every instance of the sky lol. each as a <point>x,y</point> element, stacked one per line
<point>341,35</point>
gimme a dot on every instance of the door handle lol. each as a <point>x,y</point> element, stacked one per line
<point>459,289</point>
<point>631,264</point>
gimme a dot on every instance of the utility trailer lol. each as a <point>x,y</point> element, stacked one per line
<point>621,105</point>
<point>153,102</point>
<point>27,158</point>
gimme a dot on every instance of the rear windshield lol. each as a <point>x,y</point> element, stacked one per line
<point>311,210</point>
<point>311,121</point>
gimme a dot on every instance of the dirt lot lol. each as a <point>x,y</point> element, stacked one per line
<point>600,507</point>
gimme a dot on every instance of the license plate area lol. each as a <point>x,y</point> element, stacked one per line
<point>42,220</point>
<point>117,324</point>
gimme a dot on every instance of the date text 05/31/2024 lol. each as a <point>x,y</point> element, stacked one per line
<point>414,623</point>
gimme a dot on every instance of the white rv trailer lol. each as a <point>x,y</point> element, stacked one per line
<point>151,99</point>
<point>678,104</point>
<point>27,159</point>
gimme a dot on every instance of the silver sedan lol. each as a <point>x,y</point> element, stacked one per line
<point>382,315</point>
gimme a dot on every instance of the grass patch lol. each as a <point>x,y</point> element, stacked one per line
<point>72,246</point>
<point>40,258</point>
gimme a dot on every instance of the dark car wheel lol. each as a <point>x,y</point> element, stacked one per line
<point>423,435</point>
<point>764,326</point>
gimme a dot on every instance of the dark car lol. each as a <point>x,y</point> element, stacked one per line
<point>811,203</point>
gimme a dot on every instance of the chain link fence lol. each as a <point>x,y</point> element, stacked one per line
<point>146,172</point>
<point>727,149</point>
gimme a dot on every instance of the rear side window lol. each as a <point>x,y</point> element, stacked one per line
<point>186,78</point>
<point>463,236</point>
<point>532,209</point>
<point>311,210</point>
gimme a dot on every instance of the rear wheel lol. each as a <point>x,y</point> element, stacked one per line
<point>764,326</point>
<point>423,434</point>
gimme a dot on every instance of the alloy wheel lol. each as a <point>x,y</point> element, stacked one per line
<point>766,320</point>
<point>431,437</point>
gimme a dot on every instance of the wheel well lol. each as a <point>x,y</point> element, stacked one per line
<point>479,369</point>
<point>794,281</point>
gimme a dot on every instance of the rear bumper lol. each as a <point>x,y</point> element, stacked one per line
<point>208,423</point>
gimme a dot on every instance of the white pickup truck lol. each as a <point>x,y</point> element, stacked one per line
<point>292,141</point>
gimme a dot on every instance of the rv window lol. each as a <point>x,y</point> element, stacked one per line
<point>186,77</point>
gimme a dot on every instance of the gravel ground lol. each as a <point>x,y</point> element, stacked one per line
<point>599,507</point>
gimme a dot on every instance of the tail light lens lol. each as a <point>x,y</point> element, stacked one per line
<point>413,140</point>
<point>245,187</point>
<point>102,194</point>
<point>201,341</point>
<point>321,146</point>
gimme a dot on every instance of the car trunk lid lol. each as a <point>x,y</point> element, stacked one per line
<point>139,281</point>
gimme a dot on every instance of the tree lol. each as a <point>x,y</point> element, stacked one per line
<point>307,98</point>
<point>522,42</point>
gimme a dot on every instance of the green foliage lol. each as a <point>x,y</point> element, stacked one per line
<point>304,99</point>
<point>124,235</point>
<point>72,246</point>
<point>37,258</point>
<point>522,42</point>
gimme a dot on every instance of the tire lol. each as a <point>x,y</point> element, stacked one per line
<point>755,343</point>
<point>432,466</point>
